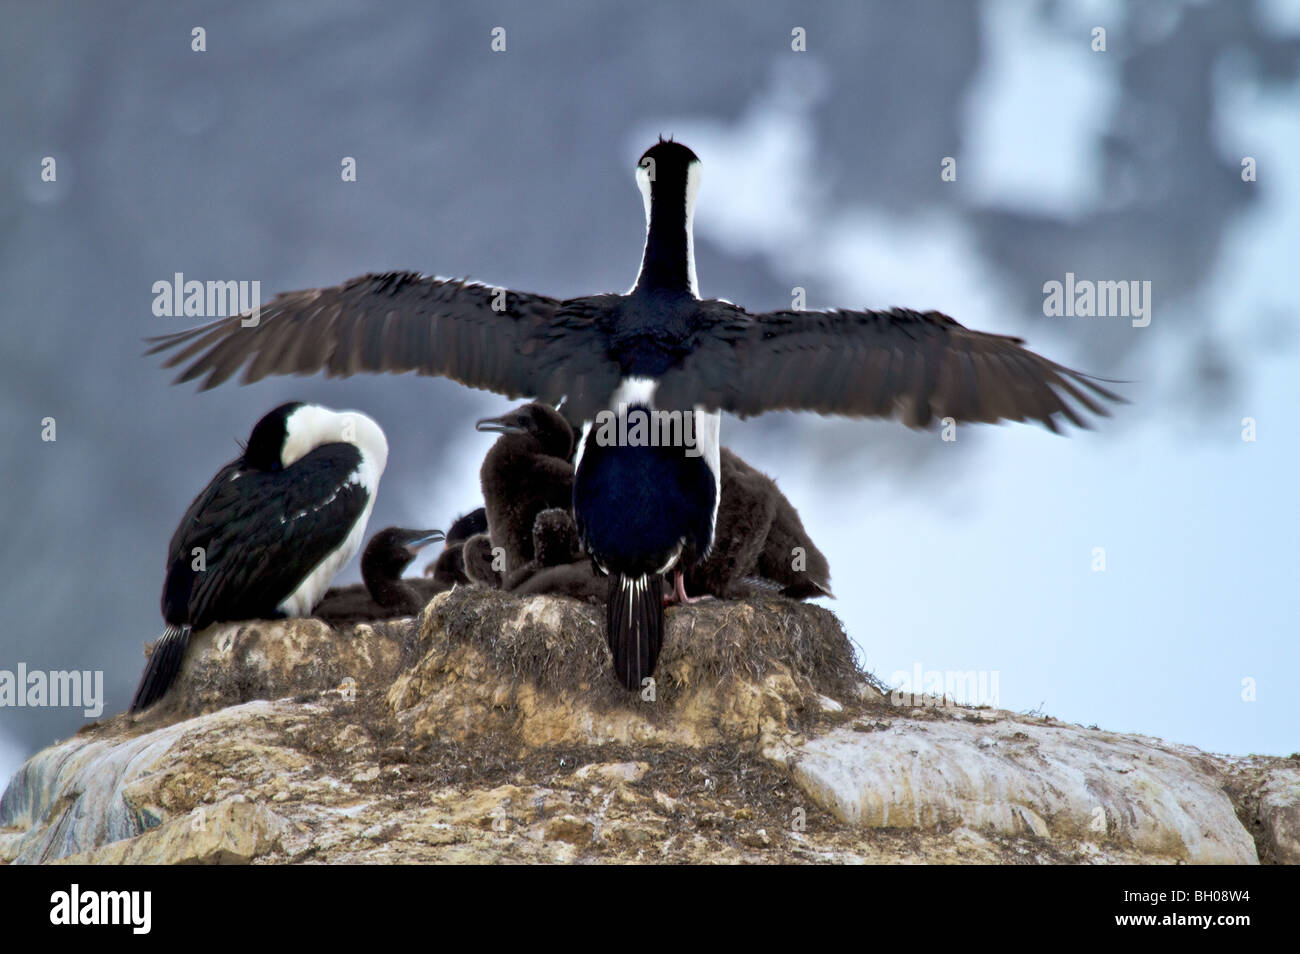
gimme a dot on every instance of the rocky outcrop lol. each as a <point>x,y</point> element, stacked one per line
<point>489,729</point>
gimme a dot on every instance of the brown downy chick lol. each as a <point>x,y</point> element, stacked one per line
<point>526,471</point>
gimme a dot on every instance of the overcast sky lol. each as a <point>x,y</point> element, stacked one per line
<point>821,171</point>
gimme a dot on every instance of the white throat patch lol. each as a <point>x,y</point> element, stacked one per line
<point>693,175</point>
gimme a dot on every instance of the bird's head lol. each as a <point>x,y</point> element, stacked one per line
<point>290,432</point>
<point>538,424</point>
<point>392,549</point>
<point>466,525</point>
<point>265,447</point>
<point>668,172</point>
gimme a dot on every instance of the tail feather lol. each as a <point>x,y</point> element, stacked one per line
<point>164,663</point>
<point>635,620</point>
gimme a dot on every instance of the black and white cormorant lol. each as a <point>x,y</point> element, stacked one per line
<point>659,344</point>
<point>382,592</point>
<point>270,531</point>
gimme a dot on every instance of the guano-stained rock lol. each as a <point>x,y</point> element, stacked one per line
<point>489,729</point>
<point>1064,783</point>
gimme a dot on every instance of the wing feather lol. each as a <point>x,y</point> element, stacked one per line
<point>515,344</point>
<point>255,528</point>
<point>916,366</point>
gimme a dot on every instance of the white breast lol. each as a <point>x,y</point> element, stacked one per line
<point>309,592</point>
<point>708,429</point>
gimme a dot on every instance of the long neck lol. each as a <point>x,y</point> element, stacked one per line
<point>392,594</point>
<point>381,582</point>
<point>668,264</point>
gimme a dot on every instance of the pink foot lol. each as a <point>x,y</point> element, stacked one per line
<point>679,592</point>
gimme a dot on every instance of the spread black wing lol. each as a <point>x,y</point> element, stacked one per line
<point>916,366</point>
<point>515,343</point>
<point>260,534</point>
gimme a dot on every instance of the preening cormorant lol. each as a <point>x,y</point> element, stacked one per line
<point>270,531</point>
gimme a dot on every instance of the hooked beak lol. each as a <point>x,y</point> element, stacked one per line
<point>420,538</point>
<point>497,425</point>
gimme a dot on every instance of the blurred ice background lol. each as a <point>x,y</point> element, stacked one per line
<point>821,171</point>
